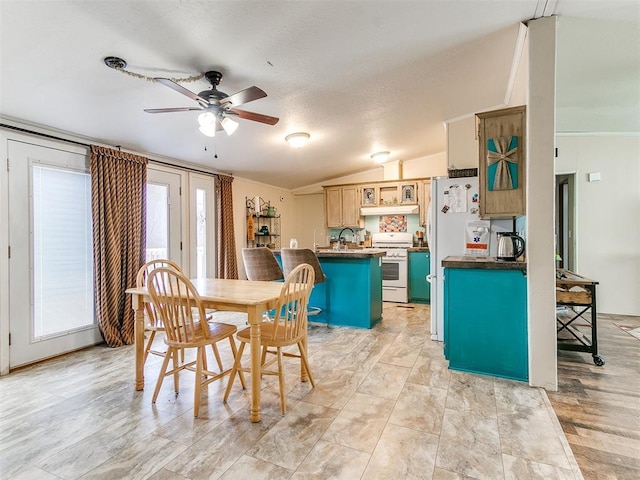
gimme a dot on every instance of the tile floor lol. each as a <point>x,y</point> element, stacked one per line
<point>385,406</point>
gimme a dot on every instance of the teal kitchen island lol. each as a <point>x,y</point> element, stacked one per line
<point>351,295</point>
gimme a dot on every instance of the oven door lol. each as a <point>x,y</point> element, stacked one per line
<point>394,272</point>
<point>394,279</point>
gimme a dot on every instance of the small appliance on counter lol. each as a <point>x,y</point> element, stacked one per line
<point>510,246</point>
<point>420,235</point>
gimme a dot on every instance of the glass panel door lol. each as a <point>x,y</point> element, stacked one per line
<point>51,306</point>
<point>202,221</point>
<point>164,215</point>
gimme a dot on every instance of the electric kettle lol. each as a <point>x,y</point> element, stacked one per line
<point>510,246</point>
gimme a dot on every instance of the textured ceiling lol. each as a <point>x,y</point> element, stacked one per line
<point>359,76</point>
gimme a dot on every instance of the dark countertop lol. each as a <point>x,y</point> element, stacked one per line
<point>418,249</point>
<point>351,253</point>
<point>482,263</point>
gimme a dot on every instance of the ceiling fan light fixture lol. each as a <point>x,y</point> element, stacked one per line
<point>298,139</point>
<point>229,125</point>
<point>380,157</point>
<point>207,119</point>
<point>208,130</point>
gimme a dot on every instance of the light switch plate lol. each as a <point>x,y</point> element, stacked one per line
<point>594,177</point>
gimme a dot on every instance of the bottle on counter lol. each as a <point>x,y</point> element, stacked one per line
<point>293,243</point>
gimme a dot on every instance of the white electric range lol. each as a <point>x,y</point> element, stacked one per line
<point>395,264</point>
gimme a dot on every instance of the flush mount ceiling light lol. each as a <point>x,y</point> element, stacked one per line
<point>380,157</point>
<point>297,140</point>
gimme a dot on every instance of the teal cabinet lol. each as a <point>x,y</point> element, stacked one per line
<point>485,321</point>
<point>419,268</point>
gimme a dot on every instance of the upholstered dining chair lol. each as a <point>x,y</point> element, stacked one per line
<point>261,264</point>
<point>288,328</point>
<point>178,304</point>
<point>292,257</point>
<point>153,324</point>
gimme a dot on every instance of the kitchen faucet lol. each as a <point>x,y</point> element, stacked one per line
<point>340,235</point>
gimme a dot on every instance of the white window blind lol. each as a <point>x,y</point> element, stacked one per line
<point>62,251</point>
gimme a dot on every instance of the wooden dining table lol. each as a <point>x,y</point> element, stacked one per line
<point>250,297</point>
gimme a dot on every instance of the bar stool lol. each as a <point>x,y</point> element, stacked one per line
<point>292,257</point>
<point>260,264</point>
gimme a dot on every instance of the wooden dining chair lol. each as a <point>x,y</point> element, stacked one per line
<point>288,328</point>
<point>292,257</point>
<point>260,264</point>
<point>153,324</point>
<point>180,308</point>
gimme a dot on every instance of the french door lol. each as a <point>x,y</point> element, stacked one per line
<point>202,225</point>
<point>51,303</point>
<point>164,215</point>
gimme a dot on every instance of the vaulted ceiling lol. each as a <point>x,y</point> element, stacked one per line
<point>358,76</point>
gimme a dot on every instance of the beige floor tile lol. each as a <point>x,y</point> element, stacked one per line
<point>385,381</point>
<point>521,469</point>
<point>328,460</point>
<point>470,445</point>
<point>139,461</point>
<point>403,453</point>
<point>255,469</point>
<point>473,393</point>
<point>360,422</point>
<point>531,435</point>
<point>420,408</point>
<point>292,438</point>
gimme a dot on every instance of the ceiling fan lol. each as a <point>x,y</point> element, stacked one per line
<point>218,107</point>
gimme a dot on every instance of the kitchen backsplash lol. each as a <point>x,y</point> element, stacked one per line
<point>372,224</point>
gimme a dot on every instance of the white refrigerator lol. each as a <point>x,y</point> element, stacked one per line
<point>454,202</point>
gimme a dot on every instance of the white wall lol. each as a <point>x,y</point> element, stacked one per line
<point>607,216</point>
<point>280,198</point>
<point>462,141</point>
<point>309,216</point>
<point>540,205</point>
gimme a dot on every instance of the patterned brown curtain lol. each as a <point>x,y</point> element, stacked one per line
<point>227,263</point>
<point>118,205</point>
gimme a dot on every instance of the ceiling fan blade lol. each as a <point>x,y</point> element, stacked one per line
<point>256,117</point>
<point>180,89</point>
<point>168,110</point>
<point>244,96</point>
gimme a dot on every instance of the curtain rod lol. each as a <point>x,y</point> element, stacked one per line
<point>53,137</point>
<point>46,135</point>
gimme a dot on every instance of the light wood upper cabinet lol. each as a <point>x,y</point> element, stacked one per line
<point>501,172</point>
<point>389,193</point>
<point>342,206</point>
<point>343,202</point>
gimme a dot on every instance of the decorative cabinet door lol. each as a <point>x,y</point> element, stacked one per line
<point>501,172</point>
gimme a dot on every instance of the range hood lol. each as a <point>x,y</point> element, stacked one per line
<point>390,210</point>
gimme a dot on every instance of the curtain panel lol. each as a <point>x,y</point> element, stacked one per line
<point>118,205</point>
<point>227,263</point>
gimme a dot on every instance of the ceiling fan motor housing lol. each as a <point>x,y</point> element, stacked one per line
<point>214,95</point>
